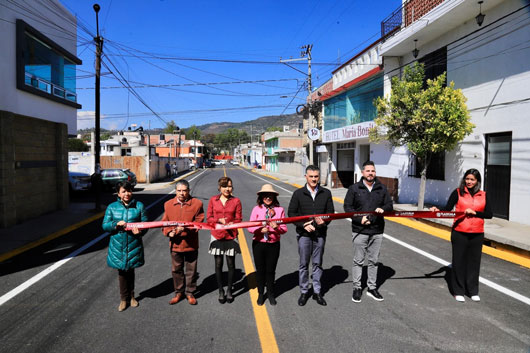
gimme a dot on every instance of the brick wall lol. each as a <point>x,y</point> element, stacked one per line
<point>33,167</point>
<point>415,9</point>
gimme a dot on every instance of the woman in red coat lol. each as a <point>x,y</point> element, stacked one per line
<point>467,234</point>
<point>224,209</point>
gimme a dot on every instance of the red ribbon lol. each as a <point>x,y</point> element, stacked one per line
<point>287,220</point>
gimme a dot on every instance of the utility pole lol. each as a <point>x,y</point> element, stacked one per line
<point>306,55</point>
<point>97,168</point>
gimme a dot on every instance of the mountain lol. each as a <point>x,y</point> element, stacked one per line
<point>255,126</point>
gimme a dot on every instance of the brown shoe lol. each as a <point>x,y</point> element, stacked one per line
<point>123,305</point>
<point>178,297</point>
<point>191,299</point>
<point>134,302</point>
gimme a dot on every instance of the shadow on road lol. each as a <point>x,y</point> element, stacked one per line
<point>333,276</point>
<point>285,283</point>
<point>160,290</point>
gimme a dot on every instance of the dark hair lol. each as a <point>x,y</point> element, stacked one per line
<point>476,174</point>
<point>124,184</point>
<point>183,182</point>
<point>313,168</point>
<point>368,163</point>
<point>224,181</point>
<point>275,202</point>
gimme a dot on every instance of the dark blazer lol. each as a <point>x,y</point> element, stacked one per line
<point>302,204</point>
<point>360,199</point>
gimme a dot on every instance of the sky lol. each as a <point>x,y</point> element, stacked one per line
<point>198,62</point>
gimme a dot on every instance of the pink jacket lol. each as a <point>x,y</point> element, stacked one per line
<point>258,213</point>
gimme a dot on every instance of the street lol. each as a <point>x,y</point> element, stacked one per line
<point>73,306</point>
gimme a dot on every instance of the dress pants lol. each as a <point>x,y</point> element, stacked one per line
<point>467,252</point>
<point>265,258</point>
<point>184,271</point>
<point>310,248</point>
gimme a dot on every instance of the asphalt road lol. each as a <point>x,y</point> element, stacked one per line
<point>74,307</point>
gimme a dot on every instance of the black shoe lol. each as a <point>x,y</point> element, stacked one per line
<point>272,300</point>
<point>375,294</point>
<point>303,299</point>
<point>222,296</point>
<point>320,299</point>
<point>261,299</point>
<point>229,296</point>
<point>357,293</point>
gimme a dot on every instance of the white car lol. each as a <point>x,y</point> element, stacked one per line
<point>78,181</point>
<point>234,162</point>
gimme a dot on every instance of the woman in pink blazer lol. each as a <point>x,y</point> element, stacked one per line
<point>266,241</point>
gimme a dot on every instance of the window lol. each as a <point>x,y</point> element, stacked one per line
<point>44,68</point>
<point>435,64</point>
<point>125,151</point>
<point>435,170</point>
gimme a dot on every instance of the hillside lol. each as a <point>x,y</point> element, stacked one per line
<point>257,125</point>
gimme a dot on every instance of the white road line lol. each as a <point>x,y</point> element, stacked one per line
<point>487,282</point>
<point>19,289</point>
<point>269,182</point>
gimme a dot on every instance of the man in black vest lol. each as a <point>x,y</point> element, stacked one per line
<point>367,195</point>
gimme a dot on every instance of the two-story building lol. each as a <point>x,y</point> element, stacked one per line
<point>284,152</point>
<point>484,50</point>
<point>38,107</point>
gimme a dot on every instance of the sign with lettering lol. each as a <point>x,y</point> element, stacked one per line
<point>350,132</point>
<point>313,134</point>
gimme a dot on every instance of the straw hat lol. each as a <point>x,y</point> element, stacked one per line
<point>267,188</point>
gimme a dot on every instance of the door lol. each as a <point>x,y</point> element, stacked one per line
<point>345,166</point>
<point>498,172</point>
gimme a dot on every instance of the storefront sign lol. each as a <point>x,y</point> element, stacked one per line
<point>350,132</point>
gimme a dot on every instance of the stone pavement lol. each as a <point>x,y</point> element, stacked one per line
<point>511,235</point>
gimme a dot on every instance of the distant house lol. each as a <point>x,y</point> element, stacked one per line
<point>38,106</point>
<point>284,152</point>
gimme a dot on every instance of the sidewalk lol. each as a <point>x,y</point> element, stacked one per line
<point>500,232</point>
<point>36,231</point>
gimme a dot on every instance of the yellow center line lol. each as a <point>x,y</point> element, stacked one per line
<point>263,323</point>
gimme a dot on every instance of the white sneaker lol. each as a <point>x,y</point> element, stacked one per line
<point>460,298</point>
<point>475,298</point>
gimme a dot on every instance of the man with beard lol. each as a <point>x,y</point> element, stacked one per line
<point>367,231</point>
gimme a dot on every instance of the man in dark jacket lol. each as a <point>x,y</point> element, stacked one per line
<point>184,242</point>
<point>309,200</point>
<point>367,195</point>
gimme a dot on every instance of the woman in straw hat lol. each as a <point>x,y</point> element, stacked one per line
<point>266,240</point>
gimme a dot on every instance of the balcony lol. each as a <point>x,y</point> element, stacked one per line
<point>406,14</point>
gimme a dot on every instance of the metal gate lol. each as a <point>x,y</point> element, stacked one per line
<point>498,172</point>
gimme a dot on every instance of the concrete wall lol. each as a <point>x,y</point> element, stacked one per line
<point>33,168</point>
<point>24,103</point>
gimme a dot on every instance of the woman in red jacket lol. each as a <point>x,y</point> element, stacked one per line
<point>224,209</point>
<point>467,234</point>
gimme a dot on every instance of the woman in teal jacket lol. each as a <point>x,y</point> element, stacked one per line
<point>126,250</point>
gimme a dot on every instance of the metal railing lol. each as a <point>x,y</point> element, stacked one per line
<point>48,87</point>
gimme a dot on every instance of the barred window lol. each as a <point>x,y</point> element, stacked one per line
<point>435,170</point>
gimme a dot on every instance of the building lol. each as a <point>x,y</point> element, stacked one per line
<point>284,152</point>
<point>38,107</point>
<point>484,50</point>
<point>347,116</point>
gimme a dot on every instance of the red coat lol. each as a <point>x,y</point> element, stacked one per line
<point>191,211</point>
<point>231,211</point>
<point>476,202</point>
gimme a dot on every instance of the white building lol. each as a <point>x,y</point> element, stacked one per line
<point>489,62</point>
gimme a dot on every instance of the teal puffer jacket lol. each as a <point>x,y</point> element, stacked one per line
<point>126,250</point>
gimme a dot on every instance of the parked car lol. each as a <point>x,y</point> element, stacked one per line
<point>110,177</point>
<point>234,162</point>
<point>78,181</point>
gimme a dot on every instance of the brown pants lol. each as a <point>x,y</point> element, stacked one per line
<point>179,260</point>
<point>126,279</point>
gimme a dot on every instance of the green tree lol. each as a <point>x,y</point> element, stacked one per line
<point>426,120</point>
<point>170,127</point>
<point>77,145</point>
<point>274,128</point>
<point>193,133</point>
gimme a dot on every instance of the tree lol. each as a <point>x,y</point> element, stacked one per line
<point>170,127</point>
<point>193,133</point>
<point>77,145</point>
<point>426,120</point>
<point>274,128</point>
